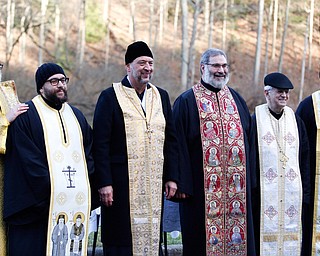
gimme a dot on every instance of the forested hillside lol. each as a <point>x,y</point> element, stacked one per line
<point>89,37</point>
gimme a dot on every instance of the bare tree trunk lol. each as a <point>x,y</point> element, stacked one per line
<point>81,34</point>
<point>197,9</point>
<point>107,37</point>
<point>1,67</point>
<point>175,27</point>
<point>206,16</point>
<point>284,35</point>
<point>311,33</point>
<point>258,45</point>
<point>9,28</point>
<point>267,39</point>
<point>44,5</point>
<point>303,64</point>
<point>161,20</point>
<point>176,18</point>
<point>275,25</point>
<point>184,44</point>
<point>165,15</point>
<point>151,9</point>
<point>23,40</point>
<point>57,28</point>
<point>132,26</point>
<point>224,29</point>
<point>211,27</point>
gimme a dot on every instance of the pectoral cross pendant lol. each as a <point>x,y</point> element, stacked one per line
<point>284,159</point>
<point>149,131</point>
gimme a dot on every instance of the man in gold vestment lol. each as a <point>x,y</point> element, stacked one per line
<point>10,108</point>
<point>135,154</point>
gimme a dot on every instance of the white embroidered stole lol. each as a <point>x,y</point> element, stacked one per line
<point>145,140</point>
<point>224,164</point>
<point>281,186</point>
<point>316,213</point>
<point>70,190</point>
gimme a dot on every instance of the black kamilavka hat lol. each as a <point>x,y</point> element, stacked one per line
<point>135,50</point>
<point>278,80</point>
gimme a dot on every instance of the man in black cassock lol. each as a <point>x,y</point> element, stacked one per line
<point>214,131</point>
<point>282,151</point>
<point>135,154</point>
<point>307,111</point>
<point>27,183</point>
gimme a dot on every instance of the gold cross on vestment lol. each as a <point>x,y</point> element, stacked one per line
<point>149,131</point>
<point>283,159</point>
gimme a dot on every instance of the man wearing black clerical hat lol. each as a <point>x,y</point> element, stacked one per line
<point>278,80</point>
<point>282,172</point>
<point>47,168</point>
<point>135,154</point>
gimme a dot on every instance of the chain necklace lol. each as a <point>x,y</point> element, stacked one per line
<point>283,158</point>
<point>149,131</point>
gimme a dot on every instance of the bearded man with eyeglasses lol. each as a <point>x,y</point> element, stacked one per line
<point>47,167</point>
<point>212,101</point>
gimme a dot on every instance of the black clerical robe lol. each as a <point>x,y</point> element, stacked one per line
<point>192,210</point>
<point>111,163</point>
<point>305,111</point>
<point>27,181</point>
<point>305,179</point>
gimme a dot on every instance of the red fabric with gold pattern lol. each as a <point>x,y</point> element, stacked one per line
<point>224,167</point>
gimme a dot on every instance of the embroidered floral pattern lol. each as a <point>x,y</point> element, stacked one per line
<point>270,212</point>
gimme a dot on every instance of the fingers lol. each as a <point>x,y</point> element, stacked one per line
<point>106,195</point>
<point>22,108</point>
<point>180,195</point>
<point>16,111</point>
<point>171,188</point>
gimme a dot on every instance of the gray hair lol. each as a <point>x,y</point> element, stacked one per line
<point>268,88</point>
<point>212,52</point>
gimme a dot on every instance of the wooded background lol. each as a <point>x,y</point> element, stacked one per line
<point>89,38</point>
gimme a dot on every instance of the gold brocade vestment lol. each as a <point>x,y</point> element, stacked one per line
<point>8,99</point>
<point>145,141</point>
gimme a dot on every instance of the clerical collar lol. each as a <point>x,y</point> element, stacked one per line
<point>276,115</point>
<point>210,87</point>
<point>126,82</point>
<point>54,105</point>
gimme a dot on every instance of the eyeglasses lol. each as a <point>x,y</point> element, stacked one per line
<point>55,81</point>
<point>217,65</point>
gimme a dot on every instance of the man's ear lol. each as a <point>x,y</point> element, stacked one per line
<point>128,68</point>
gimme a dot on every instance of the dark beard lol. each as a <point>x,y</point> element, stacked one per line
<point>57,101</point>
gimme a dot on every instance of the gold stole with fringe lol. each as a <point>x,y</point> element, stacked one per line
<point>316,212</point>
<point>145,140</point>
<point>280,180</point>
<point>70,189</point>
<point>224,167</point>
<point>8,99</point>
